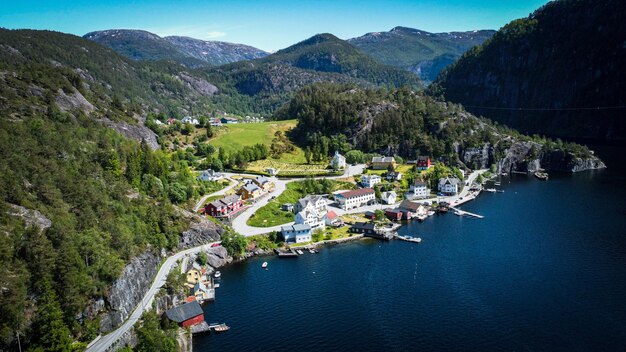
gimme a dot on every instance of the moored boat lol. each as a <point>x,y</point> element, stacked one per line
<point>217,274</point>
<point>541,175</point>
<point>264,265</point>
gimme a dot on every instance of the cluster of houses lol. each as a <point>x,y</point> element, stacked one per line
<point>311,214</point>
<point>254,188</point>
<point>200,284</point>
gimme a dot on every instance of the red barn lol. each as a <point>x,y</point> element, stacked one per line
<point>423,163</point>
<point>186,315</point>
<point>223,207</point>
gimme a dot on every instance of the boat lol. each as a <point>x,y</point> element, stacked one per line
<point>264,265</point>
<point>219,327</point>
<point>492,190</point>
<point>430,213</point>
<point>299,251</point>
<point>311,250</point>
<point>541,175</point>
<point>217,274</point>
<point>418,240</point>
<point>421,217</point>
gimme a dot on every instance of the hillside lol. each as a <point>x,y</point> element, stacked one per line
<point>143,45</point>
<point>405,123</point>
<point>558,72</point>
<point>78,201</point>
<point>423,53</point>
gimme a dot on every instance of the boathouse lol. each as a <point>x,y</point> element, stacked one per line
<point>186,315</point>
<point>366,228</point>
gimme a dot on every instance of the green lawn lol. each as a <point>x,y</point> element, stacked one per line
<point>236,136</point>
<point>271,214</point>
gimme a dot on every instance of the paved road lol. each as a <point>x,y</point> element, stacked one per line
<point>221,192</point>
<point>102,343</point>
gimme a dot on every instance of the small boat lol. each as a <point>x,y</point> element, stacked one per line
<point>497,183</point>
<point>492,190</point>
<point>430,213</point>
<point>418,240</point>
<point>299,251</point>
<point>311,250</point>
<point>219,327</point>
<point>217,274</point>
<point>264,265</point>
<point>541,175</point>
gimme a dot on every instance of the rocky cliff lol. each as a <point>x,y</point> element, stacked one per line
<point>558,72</point>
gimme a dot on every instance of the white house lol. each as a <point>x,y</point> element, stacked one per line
<point>419,189</point>
<point>210,175</point>
<point>310,217</point>
<point>332,219</point>
<point>449,185</point>
<point>338,162</point>
<point>311,202</point>
<point>296,233</point>
<point>388,197</point>
<point>356,198</point>
<point>272,171</point>
<point>394,176</point>
<point>191,120</point>
<point>158,122</point>
<point>369,181</point>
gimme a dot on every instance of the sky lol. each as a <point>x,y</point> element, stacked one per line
<point>269,25</point>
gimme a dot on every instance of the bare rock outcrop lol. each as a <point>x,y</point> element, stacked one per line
<point>76,100</point>
<point>31,217</point>
<point>201,231</point>
<point>136,132</point>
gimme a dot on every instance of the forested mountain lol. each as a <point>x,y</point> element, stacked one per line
<point>265,84</point>
<point>77,199</point>
<point>423,53</point>
<point>406,123</point>
<point>558,72</point>
<point>143,45</point>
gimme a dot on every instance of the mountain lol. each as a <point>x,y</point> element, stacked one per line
<point>265,84</point>
<point>143,45</point>
<point>558,72</point>
<point>423,53</point>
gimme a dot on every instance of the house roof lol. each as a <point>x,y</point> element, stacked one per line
<point>420,184</point>
<point>250,187</point>
<point>184,312</point>
<point>393,211</point>
<point>383,159</point>
<point>338,156</point>
<point>331,215</point>
<point>199,286</point>
<point>388,194</point>
<point>451,180</point>
<point>370,177</point>
<point>225,201</point>
<point>303,202</point>
<point>412,206</point>
<point>423,158</point>
<point>262,179</point>
<point>364,225</point>
<point>356,193</point>
<point>296,227</point>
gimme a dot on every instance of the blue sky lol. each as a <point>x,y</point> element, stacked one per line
<point>268,25</point>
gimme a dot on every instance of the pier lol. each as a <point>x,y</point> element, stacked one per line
<point>460,212</point>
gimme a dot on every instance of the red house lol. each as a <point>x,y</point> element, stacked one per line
<point>223,207</point>
<point>188,314</point>
<point>423,163</point>
<point>394,214</point>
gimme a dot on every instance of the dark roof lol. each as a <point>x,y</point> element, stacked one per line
<point>422,158</point>
<point>364,225</point>
<point>394,211</point>
<point>184,312</point>
<point>356,193</point>
<point>412,206</point>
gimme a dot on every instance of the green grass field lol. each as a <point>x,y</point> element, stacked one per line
<point>236,136</point>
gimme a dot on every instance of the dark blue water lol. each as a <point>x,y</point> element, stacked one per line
<point>544,271</point>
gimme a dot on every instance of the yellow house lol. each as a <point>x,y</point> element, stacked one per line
<point>383,162</point>
<point>263,182</point>
<point>195,274</point>
<point>249,191</point>
<point>203,291</point>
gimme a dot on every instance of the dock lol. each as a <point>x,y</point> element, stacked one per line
<point>460,212</point>
<point>286,254</point>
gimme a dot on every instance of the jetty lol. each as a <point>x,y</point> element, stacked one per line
<point>460,212</point>
<point>286,254</point>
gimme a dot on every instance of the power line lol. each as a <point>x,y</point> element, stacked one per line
<point>548,109</point>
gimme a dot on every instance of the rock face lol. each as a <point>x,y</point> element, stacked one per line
<point>76,100</point>
<point>199,85</point>
<point>136,132</point>
<point>477,158</point>
<point>201,231</point>
<point>529,157</point>
<point>31,217</point>
<point>127,291</point>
